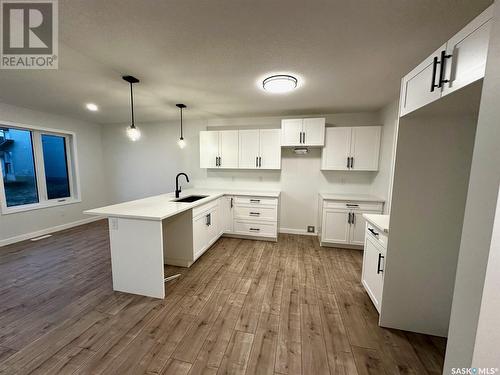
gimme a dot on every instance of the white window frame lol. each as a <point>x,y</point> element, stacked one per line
<point>71,160</point>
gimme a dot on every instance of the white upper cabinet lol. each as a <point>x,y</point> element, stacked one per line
<point>466,53</point>
<point>270,149</point>
<point>365,148</point>
<point>351,148</point>
<point>457,63</point>
<point>303,132</point>
<point>219,149</point>
<point>249,149</point>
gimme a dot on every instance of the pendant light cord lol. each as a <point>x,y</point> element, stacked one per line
<point>181,124</point>
<point>132,105</point>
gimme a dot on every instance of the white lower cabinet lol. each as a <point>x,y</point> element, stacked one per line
<point>205,227</point>
<point>342,222</point>
<point>255,216</point>
<point>372,276</point>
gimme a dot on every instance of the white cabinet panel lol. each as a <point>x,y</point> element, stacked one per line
<point>200,229</point>
<point>228,149</point>
<point>209,149</point>
<point>270,149</point>
<point>213,231</point>
<point>226,214</point>
<point>314,132</point>
<point>358,228</point>
<point>249,148</point>
<point>335,226</point>
<point>291,132</point>
<point>252,213</point>
<point>365,146</point>
<point>372,274</point>
<point>416,90</point>
<point>259,229</point>
<point>337,148</point>
<point>467,52</point>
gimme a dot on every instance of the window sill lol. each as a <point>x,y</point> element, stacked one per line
<point>38,206</point>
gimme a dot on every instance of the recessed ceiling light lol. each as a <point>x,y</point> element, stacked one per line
<point>92,107</point>
<point>280,83</point>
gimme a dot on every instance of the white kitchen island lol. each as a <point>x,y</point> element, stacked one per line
<point>147,233</point>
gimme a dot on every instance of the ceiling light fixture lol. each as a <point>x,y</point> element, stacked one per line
<point>181,142</point>
<point>280,83</point>
<point>92,107</point>
<point>132,132</point>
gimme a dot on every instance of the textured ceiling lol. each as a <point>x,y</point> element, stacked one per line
<point>209,55</point>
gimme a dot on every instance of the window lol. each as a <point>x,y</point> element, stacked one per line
<point>37,168</point>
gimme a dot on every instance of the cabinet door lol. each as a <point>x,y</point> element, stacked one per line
<point>335,226</point>
<point>416,85</point>
<point>226,214</point>
<point>468,50</point>
<point>213,231</point>
<point>249,149</point>
<point>228,148</point>
<point>270,149</point>
<point>337,149</point>
<point>372,278</point>
<point>314,132</point>
<point>200,237</point>
<point>357,229</point>
<point>365,147</point>
<point>209,149</point>
<point>291,130</point>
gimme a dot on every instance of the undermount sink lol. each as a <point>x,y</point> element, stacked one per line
<point>190,198</point>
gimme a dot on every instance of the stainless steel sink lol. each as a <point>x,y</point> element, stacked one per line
<point>190,198</point>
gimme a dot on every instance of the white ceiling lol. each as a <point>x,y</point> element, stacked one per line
<point>209,55</point>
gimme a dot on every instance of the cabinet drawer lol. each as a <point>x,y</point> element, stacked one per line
<point>206,207</point>
<point>255,201</point>
<point>259,229</point>
<point>352,205</point>
<point>264,213</point>
<point>377,235</point>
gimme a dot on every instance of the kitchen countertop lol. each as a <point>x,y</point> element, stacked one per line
<point>350,197</point>
<point>160,207</point>
<point>380,221</point>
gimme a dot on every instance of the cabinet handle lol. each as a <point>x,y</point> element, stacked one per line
<point>348,218</point>
<point>256,162</point>
<point>435,62</point>
<point>208,220</point>
<point>304,137</point>
<point>220,161</point>
<point>444,56</point>
<point>254,213</point>
<point>254,200</point>
<point>373,232</point>
<point>348,161</point>
<point>352,162</point>
<point>260,161</point>
<point>231,202</point>
<point>254,229</point>
<point>300,137</point>
<point>380,257</point>
<point>352,218</point>
<point>352,205</point>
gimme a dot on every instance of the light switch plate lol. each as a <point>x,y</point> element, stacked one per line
<point>310,229</point>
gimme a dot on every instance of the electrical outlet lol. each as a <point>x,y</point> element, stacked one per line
<point>310,229</point>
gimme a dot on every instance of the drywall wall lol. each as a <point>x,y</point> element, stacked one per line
<point>149,166</point>
<point>488,339</point>
<point>382,182</point>
<point>479,215</point>
<point>93,187</point>
<point>430,187</point>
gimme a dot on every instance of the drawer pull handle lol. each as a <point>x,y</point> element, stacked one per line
<point>255,200</point>
<point>254,229</point>
<point>352,205</point>
<point>373,232</point>
<point>254,213</point>
<point>380,257</point>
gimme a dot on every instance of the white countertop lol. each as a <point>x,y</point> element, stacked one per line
<point>350,197</point>
<point>160,207</point>
<point>380,221</point>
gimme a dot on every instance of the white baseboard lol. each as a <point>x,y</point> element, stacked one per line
<point>42,232</point>
<point>297,231</point>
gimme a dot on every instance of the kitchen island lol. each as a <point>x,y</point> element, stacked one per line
<point>147,233</point>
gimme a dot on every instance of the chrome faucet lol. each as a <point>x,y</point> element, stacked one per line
<point>177,187</point>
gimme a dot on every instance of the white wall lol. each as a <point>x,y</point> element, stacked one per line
<point>92,184</point>
<point>479,215</point>
<point>488,330</point>
<point>382,182</point>
<point>149,166</point>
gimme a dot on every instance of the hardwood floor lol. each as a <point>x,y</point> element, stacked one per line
<point>245,307</point>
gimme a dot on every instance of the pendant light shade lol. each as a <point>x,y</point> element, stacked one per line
<point>132,131</point>
<point>181,142</point>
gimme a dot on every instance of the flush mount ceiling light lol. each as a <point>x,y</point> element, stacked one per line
<point>92,107</point>
<point>181,142</point>
<point>280,83</point>
<point>132,132</point>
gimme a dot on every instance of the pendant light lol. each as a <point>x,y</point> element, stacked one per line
<point>132,132</point>
<point>181,142</point>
